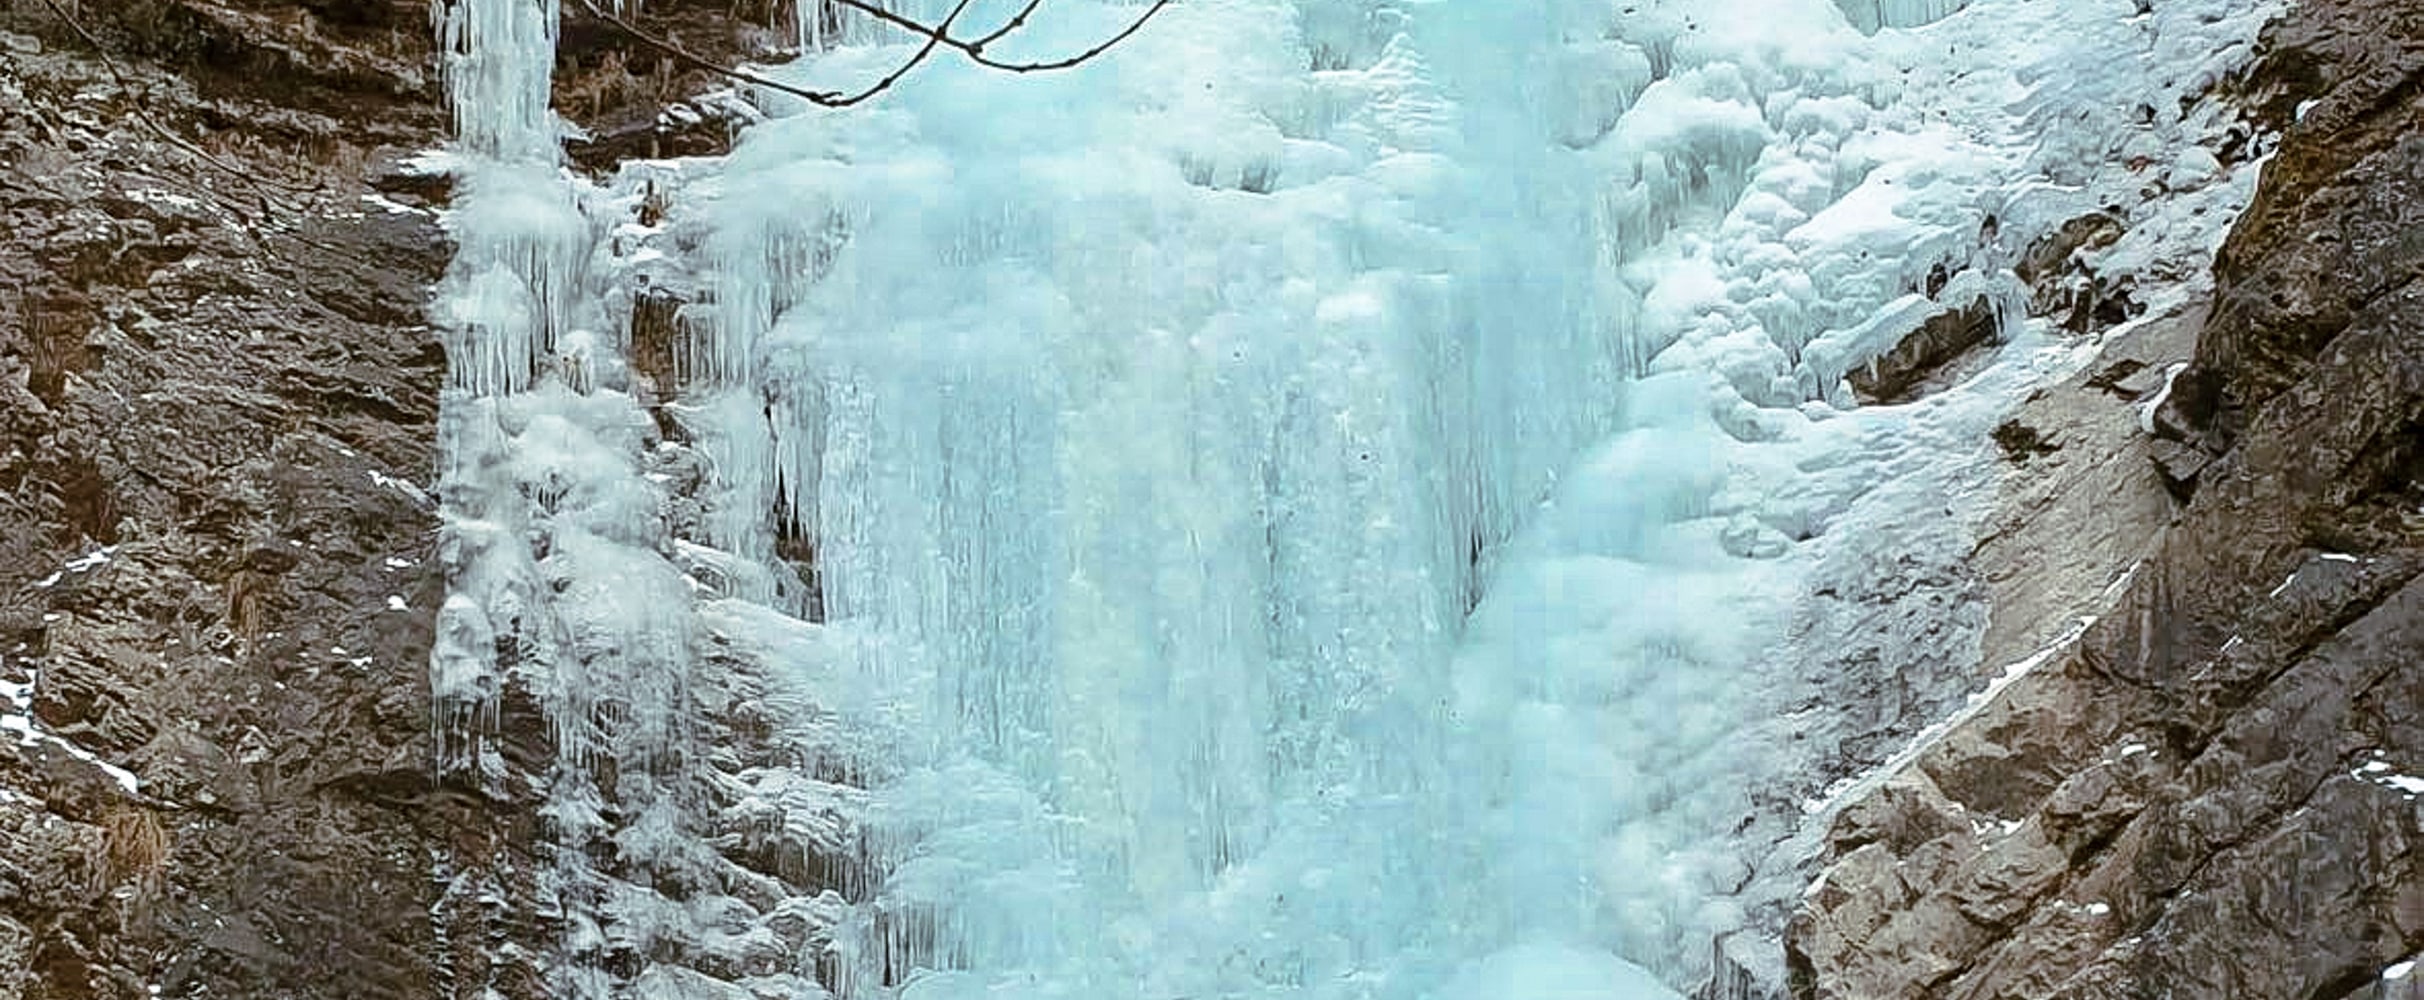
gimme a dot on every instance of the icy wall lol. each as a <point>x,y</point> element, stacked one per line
<point>1871,15</point>
<point>556,545</point>
<point>1308,505</point>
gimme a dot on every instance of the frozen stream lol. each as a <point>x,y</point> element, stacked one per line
<point>1313,504</point>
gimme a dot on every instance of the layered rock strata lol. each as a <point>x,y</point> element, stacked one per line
<point>2208,790</point>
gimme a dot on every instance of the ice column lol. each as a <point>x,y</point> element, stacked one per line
<point>566,630</point>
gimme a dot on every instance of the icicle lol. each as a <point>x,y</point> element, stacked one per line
<point>1874,15</point>
<point>499,57</point>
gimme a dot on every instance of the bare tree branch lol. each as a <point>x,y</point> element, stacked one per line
<point>1015,22</point>
<point>937,36</point>
<point>821,98</point>
<point>975,49</point>
<point>933,42</point>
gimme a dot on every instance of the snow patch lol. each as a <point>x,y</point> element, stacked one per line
<point>89,560</point>
<point>403,486</point>
<point>2146,410</point>
<point>392,206</point>
<point>18,718</point>
<point>1843,790</point>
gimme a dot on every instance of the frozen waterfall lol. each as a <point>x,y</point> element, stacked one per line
<point>1307,505</point>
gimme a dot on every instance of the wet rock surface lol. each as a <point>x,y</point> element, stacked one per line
<point>2210,790</point>
<point>218,398</point>
<point>215,401</point>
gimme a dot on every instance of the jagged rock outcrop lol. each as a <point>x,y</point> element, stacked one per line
<point>2209,791</point>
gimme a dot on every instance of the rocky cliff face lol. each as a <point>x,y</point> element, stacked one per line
<point>215,398</point>
<point>217,409</point>
<point>217,402</point>
<point>2209,790</point>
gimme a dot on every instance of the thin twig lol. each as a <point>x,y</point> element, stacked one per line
<point>820,98</point>
<point>933,42</point>
<point>1016,22</point>
<point>697,62</point>
<point>937,36</point>
<point>975,50</point>
<point>976,54</point>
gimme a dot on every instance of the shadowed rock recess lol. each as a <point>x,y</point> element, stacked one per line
<point>218,398</point>
<point>2211,792</point>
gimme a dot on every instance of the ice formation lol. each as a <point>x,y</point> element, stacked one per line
<point>1307,505</point>
<point>1871,15</point>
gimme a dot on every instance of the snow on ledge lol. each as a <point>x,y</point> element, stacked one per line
<point>19,719</point>
<point>1848,790</point>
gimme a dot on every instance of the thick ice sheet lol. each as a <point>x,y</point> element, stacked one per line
<point>1315,501</point>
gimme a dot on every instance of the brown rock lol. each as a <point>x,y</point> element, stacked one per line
<point>1905,812</point>
<point>2213,793</point>
<point>207,350</point>
<point>1921,360</point>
